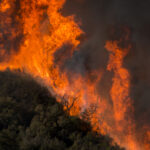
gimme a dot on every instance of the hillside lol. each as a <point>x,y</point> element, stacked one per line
<point>31,119</point>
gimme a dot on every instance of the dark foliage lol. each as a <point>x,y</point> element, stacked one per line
<point>31,119</point>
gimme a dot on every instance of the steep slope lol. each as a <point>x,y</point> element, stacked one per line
<point>31,119</point>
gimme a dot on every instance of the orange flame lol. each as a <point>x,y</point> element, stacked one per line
<point>147,140</point>
<point>120,95</point>
<point>4,6</point>
<point>45,32</point>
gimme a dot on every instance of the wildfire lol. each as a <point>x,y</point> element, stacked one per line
<point>4,6</point>
<point>120,94</point>
<point>45,32</point>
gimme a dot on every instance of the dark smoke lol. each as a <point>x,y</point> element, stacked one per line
<point>99,18</point>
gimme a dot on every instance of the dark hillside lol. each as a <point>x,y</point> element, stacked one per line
<point>31,119</point>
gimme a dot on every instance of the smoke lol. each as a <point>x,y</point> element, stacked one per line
<point>104,20</point>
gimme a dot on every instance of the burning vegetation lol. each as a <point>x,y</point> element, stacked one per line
<point>30,118</point>
<point>37,39</point>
